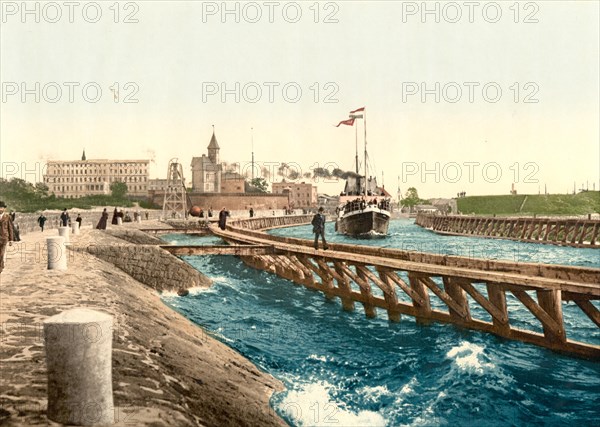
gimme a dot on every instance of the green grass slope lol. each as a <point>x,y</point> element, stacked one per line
<point>538,204</point>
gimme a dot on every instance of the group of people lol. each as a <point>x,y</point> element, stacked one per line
<point>209,213</point>
<point>125,217</point>
<point>361,204</point>
<point>64,219</point>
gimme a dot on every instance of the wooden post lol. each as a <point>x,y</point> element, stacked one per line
<point>551,302</point>
<point>390,296</point>
<point>497,297</point>
<point>344,285</point>
<point>423,310</point>
<point>365,291</point>
<point>452,288</point>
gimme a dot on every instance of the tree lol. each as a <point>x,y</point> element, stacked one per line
<point>260,183</point>
<point>41,189</point>
<point>118,189</point>
<point>411,198</point>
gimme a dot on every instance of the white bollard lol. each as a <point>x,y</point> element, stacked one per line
<point>119,221</point>
<point>64,232</point>
<point>78,347</point>
<point>57,253</point>
<point>75,227</point>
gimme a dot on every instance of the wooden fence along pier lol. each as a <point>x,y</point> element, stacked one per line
<point>565,232</point>
<point>473,293</point>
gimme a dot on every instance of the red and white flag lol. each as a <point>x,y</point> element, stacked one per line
<point>357,110</point>
<point>349,122</point>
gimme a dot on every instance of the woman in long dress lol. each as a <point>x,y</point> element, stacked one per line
<point>103,220</point>
<point>115,216</point>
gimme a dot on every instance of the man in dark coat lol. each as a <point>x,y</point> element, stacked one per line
<point>318,223</point>
<point>223,219</point>
<point>6,233</point>
<point>64,218</point>
<point>41,221</point>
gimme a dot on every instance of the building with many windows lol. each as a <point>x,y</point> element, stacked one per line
<point>301,195</point>
<point>79,178</point>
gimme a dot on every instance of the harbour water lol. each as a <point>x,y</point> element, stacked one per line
<point>342,369</point>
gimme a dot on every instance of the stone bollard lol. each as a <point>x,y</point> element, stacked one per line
<point>57,253</point>
<point>64,232</point>
<point>119,221</point>
<point>75,227</point>
<point>78,345</point>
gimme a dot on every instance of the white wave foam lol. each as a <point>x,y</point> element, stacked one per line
<point>408,388</point>
<point>469,358</point>
<point>168,294</point>
<point>374,394</point>
<point>199,290</point>
<point>316,357</point>
<point>313,406</point>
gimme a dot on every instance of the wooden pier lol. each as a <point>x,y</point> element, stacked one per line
<point>473,293</point>
<point>578,233</point>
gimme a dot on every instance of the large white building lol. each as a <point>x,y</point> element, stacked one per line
<point>79,178</point>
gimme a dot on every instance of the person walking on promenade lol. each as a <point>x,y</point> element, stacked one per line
<point>103,220</point>
<point>114,218</point>
<point>6,233</point>
<point>64,217</point>
<point>16,231</point>
<point>41,221</point>
<point>318,223</point>
<point>223,219</point>
<point>251,212</point>
<point>79,220</point>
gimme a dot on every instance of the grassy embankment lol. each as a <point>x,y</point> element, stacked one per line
<point>528,205</point>
<point>22,196</point>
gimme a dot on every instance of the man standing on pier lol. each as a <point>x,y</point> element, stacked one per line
<point>6,233</point>
<point>223,219</point>
<point>318,223</point>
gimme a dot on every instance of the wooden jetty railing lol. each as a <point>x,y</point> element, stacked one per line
<point>474,293</point>
<point>579,233</point>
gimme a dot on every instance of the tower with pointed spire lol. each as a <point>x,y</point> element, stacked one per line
<point>206,170</point>
<point>213,149</point>
<point>83,158</point>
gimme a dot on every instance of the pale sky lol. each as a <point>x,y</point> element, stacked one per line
<point>179,56</point>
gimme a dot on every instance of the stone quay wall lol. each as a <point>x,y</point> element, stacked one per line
<point>150,265</point>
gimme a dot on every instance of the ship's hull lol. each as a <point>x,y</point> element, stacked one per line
<point>365,223</point>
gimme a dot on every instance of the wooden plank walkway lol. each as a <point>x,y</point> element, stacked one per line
<point>577,233</point>
<point>472,293</point>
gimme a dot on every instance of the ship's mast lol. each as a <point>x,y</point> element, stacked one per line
<point>365,125</point>
<point>356,142</point>
<point>252,144</point>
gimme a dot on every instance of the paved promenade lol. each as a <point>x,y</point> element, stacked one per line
<point>166,371</point>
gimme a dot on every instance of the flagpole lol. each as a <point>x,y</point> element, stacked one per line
<point>365,126</point>
<point>356,143</point>
<point>252,143</point>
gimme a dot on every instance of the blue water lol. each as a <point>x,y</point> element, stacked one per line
<point>341,369</point>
